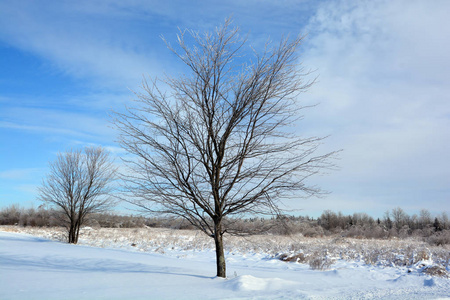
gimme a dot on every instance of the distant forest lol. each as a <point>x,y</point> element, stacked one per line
<point>395,223</point>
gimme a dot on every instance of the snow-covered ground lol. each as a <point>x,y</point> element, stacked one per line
<point>138,264</point>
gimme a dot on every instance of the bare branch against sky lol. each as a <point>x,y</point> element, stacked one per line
<point>215,144</point>
<point>382,86</point>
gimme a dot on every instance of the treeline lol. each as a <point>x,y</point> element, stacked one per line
<point>41,217</point>
<point>395,223</point>
<point>14,215</point>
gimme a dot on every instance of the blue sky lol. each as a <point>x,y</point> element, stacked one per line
<point>383,88</point>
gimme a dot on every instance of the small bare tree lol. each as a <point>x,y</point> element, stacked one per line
<point>217,143</point>
<point>79,183</point>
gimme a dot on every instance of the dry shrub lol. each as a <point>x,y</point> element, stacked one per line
<point>355,231</point>
<point>400,260</point>
<point>300,257</point>
<point>283,256</point>
<point>404,232</point>
<point>435,271</point>
<point>423,254</point>
<point>313,232</point>
<point>371,257</point>
<point>319,261</point>
<point>377,232</point>
<point>440,238</point>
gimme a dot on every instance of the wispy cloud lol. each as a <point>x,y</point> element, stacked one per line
<point>113,43</point>
<point>81,42</point>
<point>50,121</point>
<point>22,174</point>
<point>40,129</point>
<point>30,189</point>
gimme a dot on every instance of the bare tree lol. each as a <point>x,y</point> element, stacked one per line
<point>400,217</point>
<point>79,183</point>
<point>219,142</point>
<point>425,218</point>
<point>444,220</point>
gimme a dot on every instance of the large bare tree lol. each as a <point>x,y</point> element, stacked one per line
<point>79,183</point>
<point>217,142</point>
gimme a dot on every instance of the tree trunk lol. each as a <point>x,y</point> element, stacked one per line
<point>220,256</point>
<point>77,230</point>
<point>72,232</point>
<point>77,233</point>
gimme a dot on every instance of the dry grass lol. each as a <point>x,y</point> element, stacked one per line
<point>318,252</point>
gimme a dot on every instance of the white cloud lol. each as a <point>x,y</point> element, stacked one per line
<point>384,98</point>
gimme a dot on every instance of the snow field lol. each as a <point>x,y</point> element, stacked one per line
<point>320,253</point>
<point>37,268</point>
